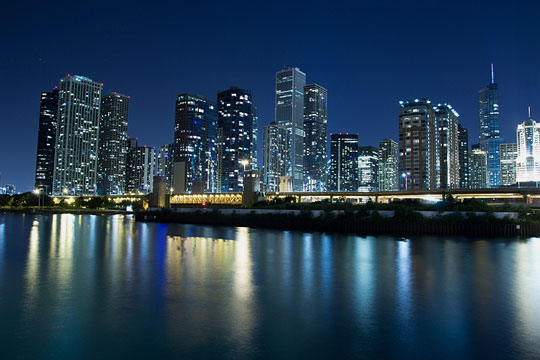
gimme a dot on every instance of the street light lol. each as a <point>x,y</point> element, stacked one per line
<point>37,191</point>
<point>405,176</point>
<point>244,162</point>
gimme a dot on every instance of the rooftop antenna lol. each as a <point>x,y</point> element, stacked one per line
<point>492,75</point>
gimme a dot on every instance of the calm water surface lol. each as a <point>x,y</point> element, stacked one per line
<point>93,287</point>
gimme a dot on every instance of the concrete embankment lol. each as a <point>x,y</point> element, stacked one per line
<point>398,223</point>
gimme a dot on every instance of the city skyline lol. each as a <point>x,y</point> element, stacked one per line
<point>361,73</point>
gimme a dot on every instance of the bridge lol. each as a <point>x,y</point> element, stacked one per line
<point>497,196</point>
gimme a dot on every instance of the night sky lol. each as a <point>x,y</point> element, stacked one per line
<point>368,55</point>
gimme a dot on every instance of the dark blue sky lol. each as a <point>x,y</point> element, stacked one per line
<point>369,55</point>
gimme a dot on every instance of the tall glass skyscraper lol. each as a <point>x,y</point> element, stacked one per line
<point>419,146</point>
<point>195,142</point>
<point>343,162</point>
<point>463,157</point>
<point>509,153</point>
<point>528,152</point>
<point>235,138</point>
<point>490,137</point>
<point>275,150</point>
<point>164,164</point>
<point>113,144</point>
<point>76,156</point>
<point>140,168</point>
<point>289,115</point>
<point>478,174</point>
<point>48,111</point>
<point>368,165</point>
<point>315,143</point>
<point>388,165</point>
<point>446,119</point>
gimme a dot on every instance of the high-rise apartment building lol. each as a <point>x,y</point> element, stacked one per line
<point>164,164</point>
<point>289,115</point>
<point>235,138</point>
<point>463,135</point>
<point>528,152</point>
<point>343,162</point>
<point>140,168</point>
<point>76,155</point>
<point>195,144</point>
<point>418,146</point>
<point>388,165</point>
<point>48,111</point>
<point>446,119</point>
<point>509,154</point>
<point>490,137</point>
<point>315,143</point>
<point>113,144</point>
<point>368,163</point>
<point>275,150</point>
<point>478,174</point>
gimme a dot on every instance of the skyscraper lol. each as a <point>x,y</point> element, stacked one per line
<point>463,157</point>
<point>113,144</point>
<point>140,168</point>
<point>195,142</point>
<point>164,164</point>
<point>275,150</point>
<point>478,174</point>
<point>490,138</point>
<point>343,162</point>
<point>528,148</point>
<point>446,119</point>
<point>289,115</point>
<point>509,154</point>
<point>76,155</point>
<point>235,138</point>
<point>418,146</point>
<point>48,112</point>
<point>388,165</point>
<point>368,163</point>
<point>315,143</point>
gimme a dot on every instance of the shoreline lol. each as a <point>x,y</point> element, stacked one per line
<point>47,211</point>
<point>375,223</point>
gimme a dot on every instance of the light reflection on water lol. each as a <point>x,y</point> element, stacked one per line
<point>75,286</point>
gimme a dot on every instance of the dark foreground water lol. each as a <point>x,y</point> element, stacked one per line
<point>94,287</point>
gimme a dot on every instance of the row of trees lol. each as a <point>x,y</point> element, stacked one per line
<point>29,199</point>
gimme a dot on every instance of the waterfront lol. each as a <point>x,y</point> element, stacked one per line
<point>86,286</point>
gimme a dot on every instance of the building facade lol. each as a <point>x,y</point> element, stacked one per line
<point>463,135</point>
<point>76,155</point>
<point>419,146</point>
<point>275,151</point>
<point>140,168</point>
<point>235,138</point>
<point>195,144</point>
<point>113,146</point>
<point>343,162</point>
<point>315,143</point>
<point>46,143</point>
<point>446,119</point>
<point>164,165</point>
<point>368,167</point>
<point>528,152</point>
<point>490,137</point>
<point>388,165</point>
<point>509,155</point>
<point>289,115</point>
<point>478,174</point>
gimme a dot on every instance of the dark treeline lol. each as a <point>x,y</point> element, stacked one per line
<point>31,200</point>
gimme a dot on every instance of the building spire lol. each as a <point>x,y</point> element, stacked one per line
<point>529,112</point>
<point>492,75</point>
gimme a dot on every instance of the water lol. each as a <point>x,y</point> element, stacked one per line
<point>92,287</point>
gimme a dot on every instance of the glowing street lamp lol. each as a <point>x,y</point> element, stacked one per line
<point>405,176</point>
<point>244,162</point>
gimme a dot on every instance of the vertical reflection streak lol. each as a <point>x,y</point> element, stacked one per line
<point>404,284</point>
<point>32,270</point>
